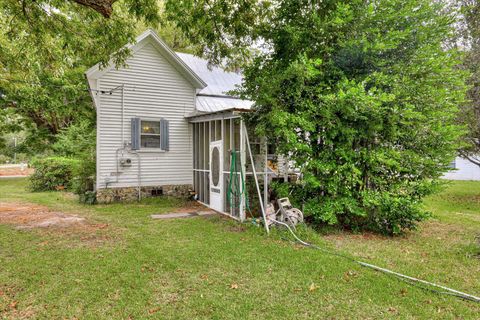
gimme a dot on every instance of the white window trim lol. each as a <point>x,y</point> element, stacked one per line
<point>150,150</point>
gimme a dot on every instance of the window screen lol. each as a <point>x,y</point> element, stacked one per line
<point>215,166</point>
<point>150,134</point>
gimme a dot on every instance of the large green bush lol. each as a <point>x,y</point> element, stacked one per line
<point>363,97</point>
<point>84,179</point>
<point>78,141</point>
<point>53,173</point>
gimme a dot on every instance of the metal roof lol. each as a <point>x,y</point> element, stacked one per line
<point>213,104</point>
<point>214,97</point>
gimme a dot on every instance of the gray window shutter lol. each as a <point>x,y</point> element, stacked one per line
<point>135,127</point>
<point>164,138</point>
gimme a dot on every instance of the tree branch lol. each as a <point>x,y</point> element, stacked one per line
<point>469,158</point>
<point>104,7</point>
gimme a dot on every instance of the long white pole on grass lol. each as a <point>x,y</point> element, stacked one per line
<point>260,200</point>
<point>448,290</point>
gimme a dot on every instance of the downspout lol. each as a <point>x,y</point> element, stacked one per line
<point>122,115</point>
<point>122,134</point>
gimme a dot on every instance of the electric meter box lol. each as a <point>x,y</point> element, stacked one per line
<point>125,162</point>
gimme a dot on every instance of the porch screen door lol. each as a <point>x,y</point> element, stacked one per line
<point>216,175</point>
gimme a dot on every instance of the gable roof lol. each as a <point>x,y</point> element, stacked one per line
<point>212,83</point>
<point>150,36</point>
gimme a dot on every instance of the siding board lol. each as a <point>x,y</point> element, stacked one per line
<point>154,89</point>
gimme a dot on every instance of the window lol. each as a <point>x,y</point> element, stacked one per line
<point>215,166</point>
<point>452,165</point>
<point>150,134</point>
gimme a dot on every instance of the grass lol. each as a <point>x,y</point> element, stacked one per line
<point>213,268</point>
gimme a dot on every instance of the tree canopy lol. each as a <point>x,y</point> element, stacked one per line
<point>45,48</point>
<point>363,97</point>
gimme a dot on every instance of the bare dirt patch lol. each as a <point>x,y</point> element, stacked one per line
<point>30,216</point>
<point>15,171</point>
<point>63,228</point>
<point>191,207</point>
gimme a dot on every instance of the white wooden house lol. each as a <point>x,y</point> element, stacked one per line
<point>166,124</point>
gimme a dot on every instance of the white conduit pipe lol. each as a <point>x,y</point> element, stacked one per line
<point>450,291</point>
<point>256,180</point>
<point>122,114</point>
<point>139,174</point>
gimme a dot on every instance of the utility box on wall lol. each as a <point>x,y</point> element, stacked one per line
<point>125,162</point>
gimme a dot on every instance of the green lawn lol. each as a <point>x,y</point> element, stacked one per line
<point>212,268</point>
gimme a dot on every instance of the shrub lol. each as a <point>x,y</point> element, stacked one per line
<point>53,173</point>
<point>363,99</point>
<point>78,141</point>
<point>84,179</point>
<point>4,159</point>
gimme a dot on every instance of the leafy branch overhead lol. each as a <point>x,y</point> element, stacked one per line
<point>45,48</point>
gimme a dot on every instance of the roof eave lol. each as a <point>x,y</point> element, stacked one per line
<point>198,116</point>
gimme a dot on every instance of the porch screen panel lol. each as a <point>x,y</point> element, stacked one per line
<point>196,159</point>
<point>226,145</point>
<point>226,161</point>
<point>218,129</point>
<point>206,193</point>
<point>194,164</point>
<point>212,130</point>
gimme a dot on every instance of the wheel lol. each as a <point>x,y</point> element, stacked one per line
<point>292,217</point>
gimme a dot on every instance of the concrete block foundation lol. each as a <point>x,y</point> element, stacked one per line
<point>130,194</point>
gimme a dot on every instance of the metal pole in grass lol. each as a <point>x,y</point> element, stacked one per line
<point>260,200</point>
<point>448,290</point>
<point>265,183</point>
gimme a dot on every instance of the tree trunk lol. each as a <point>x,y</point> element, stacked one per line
<point>104,7</point>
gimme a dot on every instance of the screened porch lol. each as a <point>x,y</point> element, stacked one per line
<point>222,166</point>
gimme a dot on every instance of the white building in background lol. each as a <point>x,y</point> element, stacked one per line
<point>462,169</point>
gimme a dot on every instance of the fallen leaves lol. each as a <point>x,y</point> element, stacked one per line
<point>312,287</point>
<point>154,310</point>
<point>234,286</point>
<point>13,305</point>
<point>392,310</point>
<point>349,275</point>
<point>147,268</point>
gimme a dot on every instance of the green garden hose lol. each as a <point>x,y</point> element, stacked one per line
<point>233,190</point>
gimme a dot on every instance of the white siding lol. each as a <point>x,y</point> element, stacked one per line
<point>154,89</point>
<point>465,170</point>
